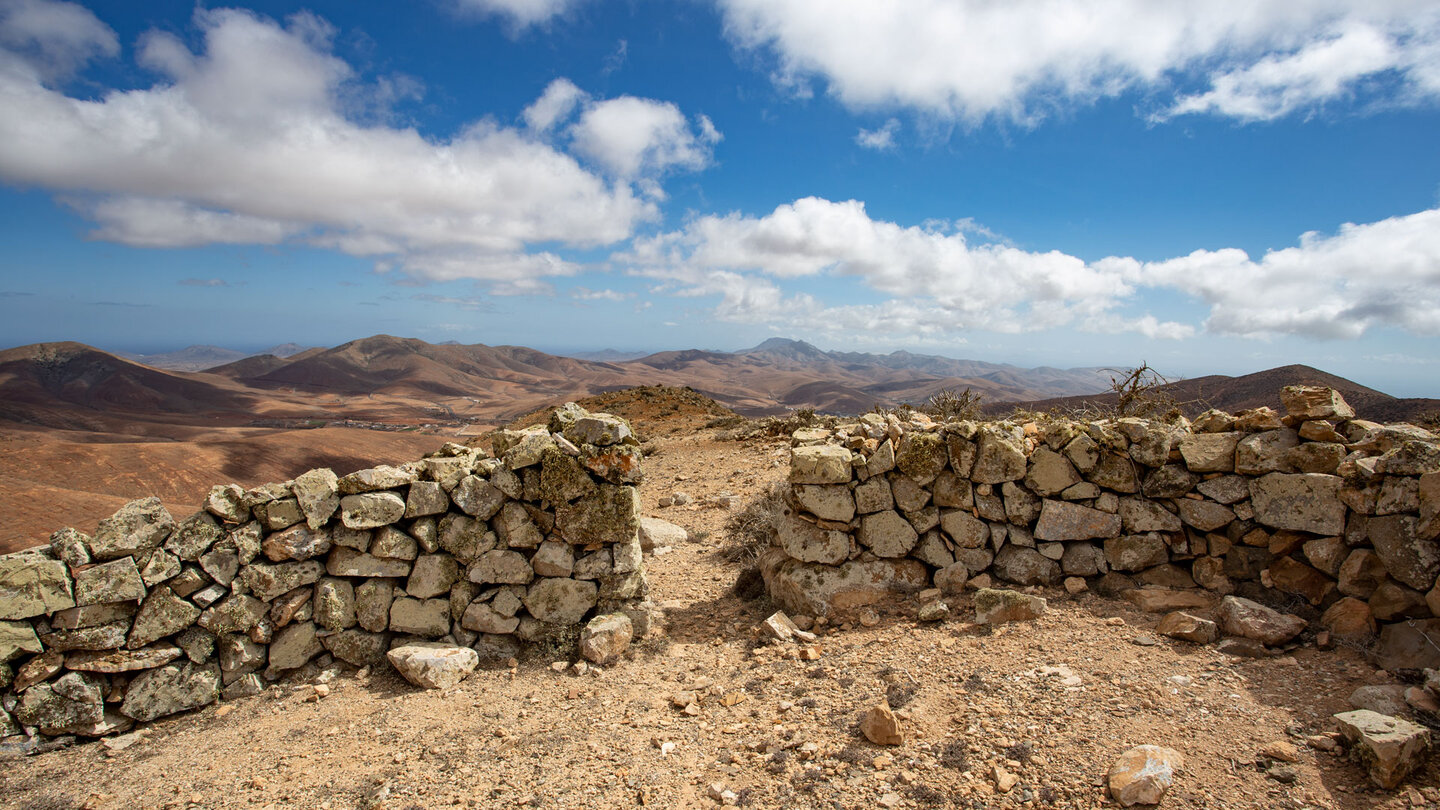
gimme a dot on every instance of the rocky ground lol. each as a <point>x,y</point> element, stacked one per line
<point>708,710</point>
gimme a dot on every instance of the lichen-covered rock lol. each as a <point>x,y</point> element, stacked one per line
<point>227,502</point>
<point>33,584</point>
<point>998,606</point>
<point>371,510</point>
<point>478,497</point>
<point>432,665</point>
<point>357,647</point>
<point>237,613</point>
<point>1390,748</point>
<point>425,498</point>
<point>266,581</point>
<point>277,514</point>
<point>1261,453</point>
<point>116,661</point>
<point>617,464</point>
<point>1025,566</point>
<point>170,689</point>
<point>318,494</point>
<point>1062,520</point>
<point>483,617</point>
<point>964,528</point>
<point>427,618</point>
<point>1136,552</point>
<point>17,639</point>
<point>194,536</point>
<point>811,589</point>
<point>1140,515</point>
<point>827,502</point>
<point>464,537</point>
<point>605,638</point>
<point>820,464</point>
<point>887,534</point>
<point>347,562</point>
<point>432,575</point>
<point>558,600</point>
<point>609,514</point>
<point>372,604</point>
<point>1000,456</point>
<point>292,648</point>
<point>71,704</point>
<point>1407,558</point>
<point>1206,516</point>
<point>1305,502</point>
<point>921,456</point>
<point>138,527</point>
<point>115,581</point>
<point>335,604</point>
<point>500,567</point>
<point>392,544</point>
<point>599,429</point>
<point>377,478</point>
<point>161,614</point>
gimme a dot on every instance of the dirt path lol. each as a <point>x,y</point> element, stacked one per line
<point>1052,702</point>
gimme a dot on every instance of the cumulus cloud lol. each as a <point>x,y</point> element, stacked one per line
<point>972,60</point>
<point>587,294</point>
<point>521,13</point>
<point>930,277</point>
<point>880,138</point>
<point>55,38</point>
<point>249,141</point>
<point>1363,277</point>
<point>630,136</point>
<point>560,98</point>
<point>928,282</point>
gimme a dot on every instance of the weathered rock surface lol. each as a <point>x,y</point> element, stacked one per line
<point>434,666</point>
<point>1143,774</point>
<point>1252,620</point>
<point>1389,748</point>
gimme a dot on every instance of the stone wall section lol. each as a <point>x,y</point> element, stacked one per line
<point>150,616</point>
<point>1333,511</point>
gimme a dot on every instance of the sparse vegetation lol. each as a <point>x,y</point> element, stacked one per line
<point>752,529</point>
<point>950,405</point>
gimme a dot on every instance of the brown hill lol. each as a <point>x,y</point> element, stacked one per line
<point>71,385</point>
<point>1261,388</point>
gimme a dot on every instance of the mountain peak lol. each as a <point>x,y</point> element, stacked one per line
<point>787,346</point>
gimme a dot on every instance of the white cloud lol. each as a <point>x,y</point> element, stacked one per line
<point>1382,274</point>
<point>520,13</point>
<point>248,141</point>
<point>972,60</point>
<point>930,283</point>
<point>630,136</point>
<point>560,98</point>
<point>587,294</point>
<point>880,138</point>
<point>55,38</point>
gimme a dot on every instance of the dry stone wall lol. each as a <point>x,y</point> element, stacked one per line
<point>150,616</point>
<point>1332,511</point>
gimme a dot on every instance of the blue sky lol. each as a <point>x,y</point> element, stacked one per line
<point>1213,188</point>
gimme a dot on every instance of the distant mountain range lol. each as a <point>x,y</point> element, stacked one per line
<point>199,358</point>
<point>409,381</point>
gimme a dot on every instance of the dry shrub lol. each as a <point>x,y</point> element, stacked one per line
<point>752,529</point>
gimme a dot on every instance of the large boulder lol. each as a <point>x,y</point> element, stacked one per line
<point>1390,748</point>
<point>434,665</point>
<point>1247,619</point>
<point>809,589</point>
<point>1143,774</point>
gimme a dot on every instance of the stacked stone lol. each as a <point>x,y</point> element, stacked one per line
<point>1339,511</point>
<point>150,616</point>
